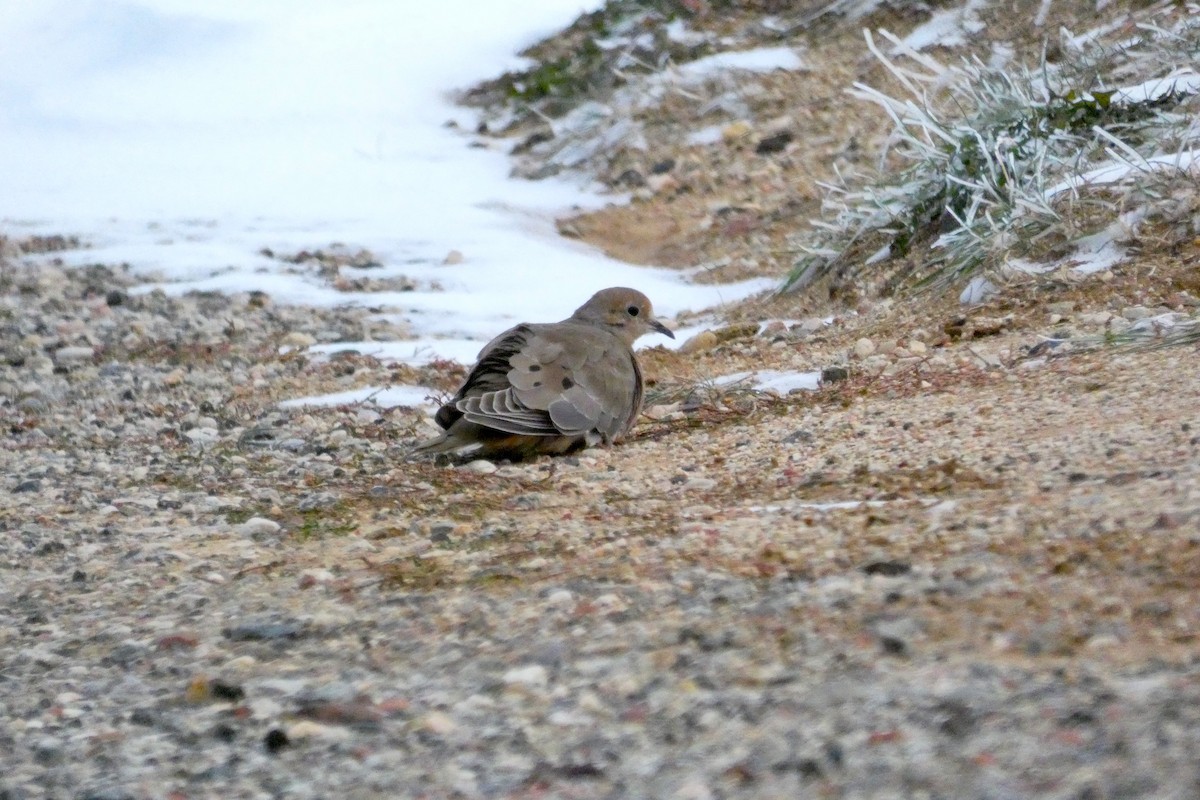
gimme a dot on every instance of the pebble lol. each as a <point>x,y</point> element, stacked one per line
<point>532,676</point>
<point>309,730</point>
<point>481,466</point>
<point>438,722</point>
<point>700,343</point>
<point>68,356</point>
<point>259,526</point>
<point>1098,318</point>
<point>736,131</point>
<point>864,347</point>
<point>1133,313</point>
<point>263,631</point>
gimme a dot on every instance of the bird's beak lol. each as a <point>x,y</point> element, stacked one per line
<point>663,329</point>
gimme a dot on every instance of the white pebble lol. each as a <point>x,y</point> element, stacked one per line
<point>258,526</point>
<point>533,675</point>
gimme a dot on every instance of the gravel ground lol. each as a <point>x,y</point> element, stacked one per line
<point>963,572</point>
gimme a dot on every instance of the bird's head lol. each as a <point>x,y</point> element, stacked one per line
<point>625,312</point>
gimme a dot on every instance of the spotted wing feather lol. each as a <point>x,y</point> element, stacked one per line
<point>567,379</point>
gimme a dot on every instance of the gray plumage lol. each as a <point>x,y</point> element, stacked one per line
<point>552,388</point>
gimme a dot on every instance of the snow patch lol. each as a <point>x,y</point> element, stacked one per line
<point>381,396</point>
<point>773,381</point>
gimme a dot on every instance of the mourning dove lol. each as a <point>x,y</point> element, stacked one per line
<point>552,388</point>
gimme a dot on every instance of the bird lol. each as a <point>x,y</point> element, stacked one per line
<point>552,388</point>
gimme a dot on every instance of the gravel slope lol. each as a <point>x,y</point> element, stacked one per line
<point>206,596</point>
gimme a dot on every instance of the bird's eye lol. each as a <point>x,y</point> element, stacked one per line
<point>633,311</point>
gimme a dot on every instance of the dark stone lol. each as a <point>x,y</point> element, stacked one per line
<point>125,654</point>
<point>275,740</point>
<point>958,720</point>
<point>630,177</point>
<point>804,767</point>
<point>107,793</point>
<point>774,144</point>
<point>263,631</point>
<point>227,691</point>
<point>31,485</point>
<point>799,437</point>
<point>144,716</point>
<point>890,569</point>
<point>893,646</point>
<point>532,140</point>
<point>666,165</point>
<point>78,576</point>
<point>225,732</point>
<point>114,298</point>
<point>834,374</point>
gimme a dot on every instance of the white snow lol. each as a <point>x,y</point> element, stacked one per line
<point>760,59</point>
<point>710,134</point>
<point>1114,171</point>
<point>774,381</point>
<point>183,137</point>
<point>380,396</point>
<point>948,27</point>
<point>1182,81</point>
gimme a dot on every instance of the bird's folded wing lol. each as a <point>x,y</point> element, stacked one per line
<point>503,412</point>
<point>563,379</point>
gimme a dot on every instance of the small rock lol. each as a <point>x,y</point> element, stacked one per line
<point>440,532</point>
<point>203,435</point>
<point>563,598</point>
<point>773,329</point>
<point>1133,313</point>
<point>31,485</point>
<point>107,793</point>
<point>736,131</point>
<point>774,144</point>
<point>917,347</point>
<point>631,178</point>
<point>533,675</point>
<point>438,722</point>
<point>259,526</point>
<point>834,374</point>
<point>453,257</point>
<point>47,751</point>
<point>67,356</point>
<point>480,465</point>
<point>864,347</point>
<point>298,340</point>
<point>700,343</point>
<point>254,630</point>
<point>977,290</point>
<point>1098,318</point>
<point>307,729</point>
<point>275,740</point>
<point>809,325</point>
<point>1063,308</point>
<point>662,183</point>
<point>662,411</point>
<point>889,569</point>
